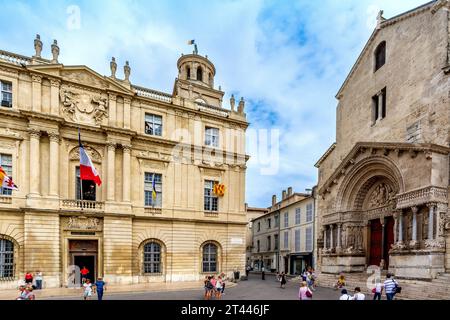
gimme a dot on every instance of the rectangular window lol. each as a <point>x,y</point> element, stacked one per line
<point>6,164</point>
<point>6,94</point>
<point>269,243</point>
<point>148,190</point>
<point>308,240</point>
<point>297,240</point>
<point>286,219</point>
<point>298,212</point>
<point>259,226</point>
<point>309,212</point>
<point>277,221</point>
<point>211,200</point>
<point>87,187</point>
<point>212,137</point>
<point>269,223</point>
<point>258,246</point>
<point>286,239</point>
<point>276,240</point>
<point>153,124</point>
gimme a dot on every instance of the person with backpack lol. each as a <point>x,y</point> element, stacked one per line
<point>345,295</point>
<point>391,287</point>
<point>282,280</point>
<point>304,293</point>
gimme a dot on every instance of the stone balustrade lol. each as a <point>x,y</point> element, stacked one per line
<point>211,214</point>
<point>153,210</point>
<point>5,200</point>
<point>82,204</point>
<point>152,94</point>
<point>212,109</point>
<point>14,58</point>
<point>421,196</point>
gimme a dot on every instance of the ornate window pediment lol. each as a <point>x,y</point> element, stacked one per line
<point>93,154</point>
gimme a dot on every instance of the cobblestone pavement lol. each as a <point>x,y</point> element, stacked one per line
<point>252,289</point>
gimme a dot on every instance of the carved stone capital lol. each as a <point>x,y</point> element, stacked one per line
<point>34,133</point>
<point>112,96</point>
<point>414,210</point>
<point>127,100</point>
<point>126,148</point>
<point>53,136</point>
<point>55,83</point>
<point>36,78</point>
<point>111,145</point>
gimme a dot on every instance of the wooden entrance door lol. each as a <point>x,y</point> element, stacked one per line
<point>376,242</point>
<point>389,239</point>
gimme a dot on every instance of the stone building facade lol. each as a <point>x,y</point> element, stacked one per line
<point>186,142</point>
<point>283,239</point>
<point>252,214</point>
<point>383,186</point>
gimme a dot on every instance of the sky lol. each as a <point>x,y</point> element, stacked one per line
<point>287,59</point>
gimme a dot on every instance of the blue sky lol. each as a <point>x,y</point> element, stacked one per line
<point>287,58</point>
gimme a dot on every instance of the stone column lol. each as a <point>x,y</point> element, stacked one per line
<point>431,212</point>
<point>414,224</point>
<point>112,109</point>
<point>437,218</point>
<point>126,173</point>
<point>54,96</point>
<point>111,171</point>
<point>339,230</point>
<point>126,112</point>
<point>396,215</point>
<point>54,164</point>
<point>325,238</point>
<point>380,105</point>
<point>400,227</point>
<point>36,102</point>
<point>383,233</point>
<point>35,164</point>
<point>331,237</point>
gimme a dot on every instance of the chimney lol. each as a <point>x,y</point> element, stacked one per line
<point>284,195</point>
<point>274,200</point>
<point>289,192</point>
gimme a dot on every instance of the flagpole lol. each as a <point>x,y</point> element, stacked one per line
<point>79,168</point>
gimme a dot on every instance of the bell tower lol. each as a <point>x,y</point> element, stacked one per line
<point>195,80</point>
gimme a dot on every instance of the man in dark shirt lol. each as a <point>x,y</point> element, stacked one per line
<point>100,287</point>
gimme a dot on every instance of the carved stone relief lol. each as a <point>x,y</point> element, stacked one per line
<point>82,223</point>
<point>381,196</point>
<point>93,154</point>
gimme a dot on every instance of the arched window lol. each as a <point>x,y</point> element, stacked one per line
<point>199,74</point>
<point>6,259</point>
<point>380,55</point>
<point>152,257</point>
<point>188,73</point>
<point>209,258</point>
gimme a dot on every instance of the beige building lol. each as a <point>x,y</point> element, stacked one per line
<point>252,214</point>
<point>184,143</point>
<point>283,239</point>
<point>384,185</point>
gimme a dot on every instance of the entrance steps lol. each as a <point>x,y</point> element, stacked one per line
<point>437,289</point>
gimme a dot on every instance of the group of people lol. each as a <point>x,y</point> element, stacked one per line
<point>309,276</point>
<point>390,286</point>
<point>214,288</point>
<point>89,288</point>
<point>31,282</point>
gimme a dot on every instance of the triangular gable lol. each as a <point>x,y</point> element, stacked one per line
<point>82,75</point>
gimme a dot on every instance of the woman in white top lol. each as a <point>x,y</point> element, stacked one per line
<point>87,286</point>
<point>219,285</point>
<point>358,295</point>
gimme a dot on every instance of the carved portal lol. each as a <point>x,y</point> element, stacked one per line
<point>381,196</point>
<point>78,105</point>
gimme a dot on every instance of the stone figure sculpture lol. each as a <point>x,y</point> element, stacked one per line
<point>100,109</point>
<point>55,51</point>
<point>68,102</point>
<point>38,46</point>
<point>232,102</point>
<point>127,71</point>
<point>113,66</point>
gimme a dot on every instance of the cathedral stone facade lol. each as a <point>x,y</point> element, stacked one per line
<point>181,144</point>
<point>384,184</point>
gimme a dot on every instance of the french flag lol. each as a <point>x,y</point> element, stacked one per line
<point>87,169</point>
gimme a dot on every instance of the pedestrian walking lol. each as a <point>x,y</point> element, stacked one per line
<point>358,295</point>
<point>391,287</point>
<point>219,287</point>
<point>22,293</point>
<point>263,274</point>
<point>38,280</point>
<point>282,280</point>
<point>100,287</point>
<point>29,294</point>
<point>247,270</point>
<point>377,290</point>
<point>223,283</point>
<point>345,295</point>
<point>84,274</point>
<point>87,290</point>
<point>304,293</point>
<point>28,277</point>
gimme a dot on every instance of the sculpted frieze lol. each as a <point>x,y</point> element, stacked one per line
<point>82,223</point>
<point>381,196</point>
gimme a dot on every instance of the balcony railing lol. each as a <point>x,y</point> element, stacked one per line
<point>82,205</point>
<point>150,210</point>
<point>212,109</point>
<point>5,200</point>
<point>211,214</point>
<point>153,94</point>
<point>14,58</point>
